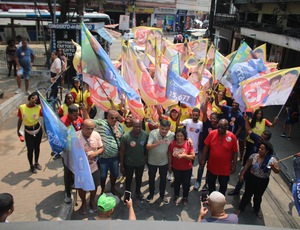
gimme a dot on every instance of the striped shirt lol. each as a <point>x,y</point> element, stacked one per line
<point>110,146</point>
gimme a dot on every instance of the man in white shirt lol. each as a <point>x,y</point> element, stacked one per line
<point>193,127</point>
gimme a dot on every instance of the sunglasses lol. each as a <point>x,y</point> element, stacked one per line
<point>114,118</point>
<point>222,126</point>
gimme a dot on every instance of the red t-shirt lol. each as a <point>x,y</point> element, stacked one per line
<point>76,124</point>
<point>180,164</point>
<point>220,153</point>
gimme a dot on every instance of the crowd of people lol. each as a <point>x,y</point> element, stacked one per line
<point>120,146</point>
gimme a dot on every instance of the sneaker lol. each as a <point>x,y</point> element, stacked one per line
<point>28,93</point>
<point>18,90</point>
<point>149,198</point>
<point>67,199</point>
<point>170,176</point>
<point>164,200</point>
<point>140,196</point>
<point>288,138</point>
<point>233,193</point>
<point>122,179</point>
<point>38,166</point>
<point>33,170</point>
<point>196,185</point>
<point>282,134</point>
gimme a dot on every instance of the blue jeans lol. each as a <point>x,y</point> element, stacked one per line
<point>152,169</point>
<point>111,164</point>
<point>211,181</point>
<point>182,177</point>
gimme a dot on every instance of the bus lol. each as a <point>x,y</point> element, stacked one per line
<point>33,21</point>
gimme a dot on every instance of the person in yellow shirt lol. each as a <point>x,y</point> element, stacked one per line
<point>186,112</point>
<point>88,103</point>
<point>76,91</point>
<point>69,100</point>
<point>221,100</point>
<point>29,114</point>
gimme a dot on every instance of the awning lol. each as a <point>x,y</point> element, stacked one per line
<point>105,35</point>
<point>115,34</point>
<point>112,26</point>
<point>198,34</point>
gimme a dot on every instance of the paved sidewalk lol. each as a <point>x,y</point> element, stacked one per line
<point>40,196</point>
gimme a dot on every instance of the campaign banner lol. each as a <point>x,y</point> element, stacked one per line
<point>95,61</point>
<point>181,90</point>
<point>270,89</point>
<point>56,131</point>
<point>82,172</point>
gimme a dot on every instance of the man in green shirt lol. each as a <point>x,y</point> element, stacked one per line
<point>133,156</point>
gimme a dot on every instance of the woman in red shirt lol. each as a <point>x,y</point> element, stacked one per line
<point>181,154</point>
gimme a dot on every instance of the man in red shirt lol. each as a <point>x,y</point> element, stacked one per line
<point>72,118</point>
<point>223,149</point>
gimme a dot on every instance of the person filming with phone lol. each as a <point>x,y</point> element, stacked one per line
<point>216,203</point>
<point>107,204</point>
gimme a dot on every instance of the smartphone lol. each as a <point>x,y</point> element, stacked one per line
<point>127,196</point>
<point>203,195</point>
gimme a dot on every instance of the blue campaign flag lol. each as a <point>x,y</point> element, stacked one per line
<point>95,61</point>
<point>78,162</point>
<point>57,132</point>
<point>245,70</point>
<point>296,185</point>
<point>180,89</point>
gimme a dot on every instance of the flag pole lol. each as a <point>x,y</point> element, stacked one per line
<point>280,110</point>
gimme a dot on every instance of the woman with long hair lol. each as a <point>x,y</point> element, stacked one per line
<point>29,114</point>
<point>258,125</point>
<point>69,100</point>
<point>181,156</point>
<point>260,165</point>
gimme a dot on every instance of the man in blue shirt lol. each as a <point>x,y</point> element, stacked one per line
<point>24,60</point>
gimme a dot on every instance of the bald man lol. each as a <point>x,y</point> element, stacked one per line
<point>133,156</point>
<point>223,149</point>
<point>93,147</point>
<point>111,131</point>
<point>216,204</point>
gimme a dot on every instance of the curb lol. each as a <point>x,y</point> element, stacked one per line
<point>8,107</point>
<point>66,210</point>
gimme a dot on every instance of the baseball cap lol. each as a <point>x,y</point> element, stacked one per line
<point>107,202</point>
<point>76,79</point>
<point>176,109</point>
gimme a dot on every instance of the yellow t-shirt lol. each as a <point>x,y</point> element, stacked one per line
<point>30,115</point>
<point>86,95</point>
<point>78,95</point>
<point>64,108</point>
<point>126,129</point>
<point>258,129</point>
<point>216,109</point>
